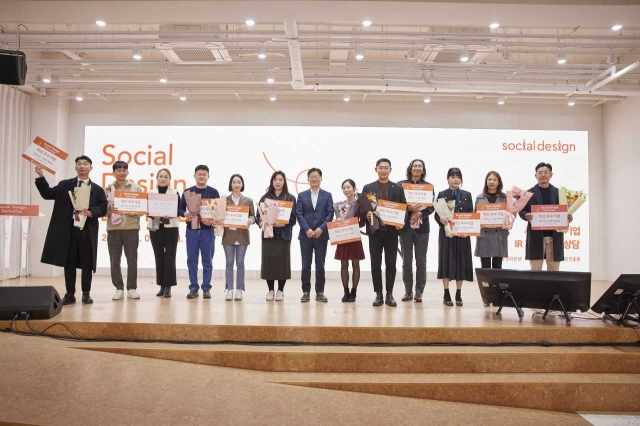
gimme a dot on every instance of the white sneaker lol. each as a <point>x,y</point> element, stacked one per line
<point>238,295</point>
<point>270,296</point>
<point>228,295</point>
<point>133,294</point>
<point>279,296</point>
<point>119,295</point>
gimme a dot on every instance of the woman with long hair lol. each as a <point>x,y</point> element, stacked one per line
<point>492,244</point>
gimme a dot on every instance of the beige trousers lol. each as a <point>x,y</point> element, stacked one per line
<point>536,265</point>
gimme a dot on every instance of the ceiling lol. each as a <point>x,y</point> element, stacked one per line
<point>411,51</point>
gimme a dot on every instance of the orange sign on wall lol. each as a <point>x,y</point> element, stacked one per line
<point>19,210</point>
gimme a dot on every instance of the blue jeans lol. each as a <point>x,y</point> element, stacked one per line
<point>200,241</point>
<point>235,254</point>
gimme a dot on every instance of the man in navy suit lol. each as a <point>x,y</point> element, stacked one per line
<point>313,210</point>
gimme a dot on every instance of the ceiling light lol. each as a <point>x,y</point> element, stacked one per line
<point>571,102</point>
<point>464,55</point>
<point>494,25</point>
<point>562,58</point>
<point>346,97</point>
<point>262,52</point>
<point>272,97</point>
<point>501,100</point>
<point>46,76</point>
<point>137,53</point>
<point>611,57</point>
<point>270,77</point>
<point>366,23</point>
<point>359,52</point>
<point>250,22</point>
<point>182,96</point>
<point>101,23</point>
<point>164,76</point>
<point>506,56</point>
<point>616,27</point>
<point>412,53</point>
<point>427,98</point>
<point>79,96</point>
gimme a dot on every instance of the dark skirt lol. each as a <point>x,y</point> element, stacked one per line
<point>276,259</point>
<point>454,258</point>
<point>350,251</point>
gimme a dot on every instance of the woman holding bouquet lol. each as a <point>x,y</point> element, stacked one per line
<point>276,251</point>
<point>492,244</point>
<point>454,254</point>
<point>163,232</point>
<point>350,251</point>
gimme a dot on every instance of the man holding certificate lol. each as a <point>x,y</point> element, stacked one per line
<point>67,245</point>
<point>385,238</point>
<point>544,242</point>
<point>123,229</point>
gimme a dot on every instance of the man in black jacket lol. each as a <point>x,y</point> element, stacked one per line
<point>65,244</point>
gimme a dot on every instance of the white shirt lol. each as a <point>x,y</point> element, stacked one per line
<point>235,200</point>
<point>314,198</point>
<point>84,182</point>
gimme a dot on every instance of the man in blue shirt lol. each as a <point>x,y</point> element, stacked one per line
<point>199,240</point>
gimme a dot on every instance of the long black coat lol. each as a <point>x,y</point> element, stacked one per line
<point>56,244</point>
<point>535,239</point>
<point>396,194</point>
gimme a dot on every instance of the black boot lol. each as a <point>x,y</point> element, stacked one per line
<point>447,298</point>
<point>86,298</point>
<point>167,292</point>
<point>458,297</point>
<point>352,295</point>
<point>378,300</point>
<point>68,299</point>
<point>345,298</point>
<point>161,292</point>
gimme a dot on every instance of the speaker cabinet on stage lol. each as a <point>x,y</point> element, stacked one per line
<point>40,302</point>
<point>13,67</point>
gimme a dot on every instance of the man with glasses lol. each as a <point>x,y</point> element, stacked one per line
<point>65,244</point>
<point>313,210</point>
<point>543,245</point>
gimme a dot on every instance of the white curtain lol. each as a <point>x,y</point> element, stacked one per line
<point>15,107</point>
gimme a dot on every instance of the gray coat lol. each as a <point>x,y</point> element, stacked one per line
<point>492,242</point>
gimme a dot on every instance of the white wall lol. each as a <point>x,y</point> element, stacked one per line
<point>622,177</point>
<point>355,113</point>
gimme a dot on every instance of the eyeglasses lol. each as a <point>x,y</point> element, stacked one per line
<point>543,173</point>
<point>314,177</point>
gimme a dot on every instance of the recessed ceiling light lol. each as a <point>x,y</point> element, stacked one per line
<point>501,100</point>
<point>46,76</point>
<point>101,23</point>
<point>571,102</point>
<point>271,77</point>
<point>562,58</point>
<point>366,23</point>
<point>494,25</point>
<point>359,52</point>
<point>79,96</point>
<point>464,56</point>
<point>272,97</point>
<point>262,52</point>
<point>616,27</point>
<point>182,96</point>
<point>427,98</point>
<point>137,53</point>
<point>346,97</point>
<point>164,77</point>
<point>250,22</point>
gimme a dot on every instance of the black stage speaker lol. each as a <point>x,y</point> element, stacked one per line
<point>40,302</point>
<point>13,67</point>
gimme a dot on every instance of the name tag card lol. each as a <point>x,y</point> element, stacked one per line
<point>133,203</point>
<point>236,217</point>
<point>491,214</point>
<point>42,153</point>
<point>344,231</point>
<point>466,224</point>
<point>391,213</point>
<point>161,205</point>
<point>551,217</point>
<point>418,193</point>
<point>19,210</point>
<point>285,209</point>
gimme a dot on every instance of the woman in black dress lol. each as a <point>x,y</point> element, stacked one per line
<point>276,251</point>
<point>455,261</point>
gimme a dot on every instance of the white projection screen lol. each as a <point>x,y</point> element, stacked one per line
<point>341,152</point>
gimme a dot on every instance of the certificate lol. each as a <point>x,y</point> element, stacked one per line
<point>344,231</point>
<point>42,153</point>
<point>550,217</point>
<point>236,217</point>
<point>133,203</point>
<point>466,224</point>
<point>285,209</point>
<point>162,205</point>
<point>418,193</point>
<point>205,209</point>
<point>491,214</point>
<point>391,213</point>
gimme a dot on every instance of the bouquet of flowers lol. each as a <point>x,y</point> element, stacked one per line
<point>445,210</point>
<point>368,203</point>
<point>517,200</point>
<point>345,209</point>
<point>80,201</point>
<point>115,218</point>
<point>193,202</point>
<point>219,208</point>
<point>572,199</point>
<point>269,212</point>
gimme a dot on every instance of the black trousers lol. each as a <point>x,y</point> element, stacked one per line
<point>487,261</point>
<point>80,256</point>
<point>381,241</point>
<point>165,244</point>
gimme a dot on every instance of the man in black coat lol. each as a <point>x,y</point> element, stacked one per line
<point>385,239</point>
<point>543,245</point>
<point>65,244</point>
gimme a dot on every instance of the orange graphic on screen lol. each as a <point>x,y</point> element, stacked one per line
<point>296,181</point>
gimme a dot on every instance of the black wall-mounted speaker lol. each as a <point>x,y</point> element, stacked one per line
<point>13,67</point>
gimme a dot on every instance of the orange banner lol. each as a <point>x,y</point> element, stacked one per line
<point>236,216</point>
<point>44,154</point>
<point>491,214</point>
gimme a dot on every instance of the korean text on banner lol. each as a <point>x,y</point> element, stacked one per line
<point>344,231</point>
<point>132,203</point>
<point>44,154</point>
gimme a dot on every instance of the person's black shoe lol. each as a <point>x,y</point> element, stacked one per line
<point>167,292</point>
<point>418,297</point>
<point>447,298</point>
<point>68,299</point>
<point>305,297</point>
<point>378,300</point>
<point>458,298</point>
<point>206,294</point>
<point>161,292</point>
<point>407,296</point>
<point>192,294</point>
<point>345,298</point>
<point>352,295</point>
<point>320,297</point>
<point>390,301</point>
<point>86,298</point>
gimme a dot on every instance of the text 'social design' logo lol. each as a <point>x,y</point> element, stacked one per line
<point>542,146</point>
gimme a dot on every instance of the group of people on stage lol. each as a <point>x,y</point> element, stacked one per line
<point>71,247</point>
